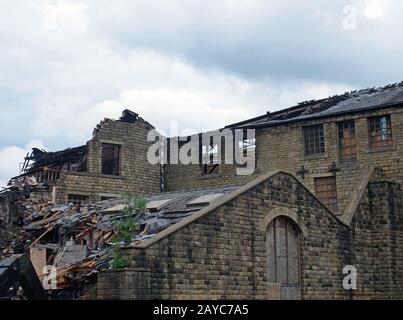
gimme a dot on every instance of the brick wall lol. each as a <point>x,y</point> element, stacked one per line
<point>137,176</point>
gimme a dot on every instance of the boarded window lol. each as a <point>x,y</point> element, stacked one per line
<point>326,192</point>
<point>314,140</point>
<point>77,198</point>
<point>347,142</point>
<point>282,245</point>
<point>380,131</point>
<point>111,159</point>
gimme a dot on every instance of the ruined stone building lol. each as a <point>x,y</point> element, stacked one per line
<point>325,193</point>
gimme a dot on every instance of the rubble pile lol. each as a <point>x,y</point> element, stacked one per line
<point>67,244</point>
<point>8,240</point>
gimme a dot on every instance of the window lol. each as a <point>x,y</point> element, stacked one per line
<point>314,140</point>
<point>77,198</point>
<point>380,131</point>
<point>210,158</point>
<point>326,192</point>
<point>247,149</point>
<point>110,159</point>
<point>347,143</point>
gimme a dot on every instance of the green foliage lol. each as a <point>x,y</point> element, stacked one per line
<point>125,228</point>
<point>134,205</point>
<point>118,261</point>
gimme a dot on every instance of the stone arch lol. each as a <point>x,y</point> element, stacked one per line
<point>286,212</point>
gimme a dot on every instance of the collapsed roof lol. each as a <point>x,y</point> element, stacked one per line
<point>43,158</point>
<point>76,239</point>
<point>349,102</point>
<point>75,158</point>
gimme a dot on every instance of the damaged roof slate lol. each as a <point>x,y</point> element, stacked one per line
<point>348,102</point>
<point>180,199</point>
<point>172,212</point>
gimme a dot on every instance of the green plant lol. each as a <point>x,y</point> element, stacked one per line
<point>118,261</point>
<point>125,228</point>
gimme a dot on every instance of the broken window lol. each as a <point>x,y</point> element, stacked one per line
<point>347,142</point>
<point>111,159</point>
<point>380,131</point>
<point>210,158</point>
<point>77,198</point>
<point>314,140</point>
<point>247,149</point>
<point>326,191</point>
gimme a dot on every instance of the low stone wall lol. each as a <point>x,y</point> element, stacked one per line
<point>124,284</point>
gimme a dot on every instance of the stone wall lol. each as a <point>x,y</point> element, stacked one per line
<point>181,177</point>
<point>377,242</point>
<point>222,255</point>
<point>125,284</point>
<point>282,147</point>
<point>137,175</point>
<point>387,159</point>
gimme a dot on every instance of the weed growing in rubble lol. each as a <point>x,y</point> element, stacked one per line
<point>125,228</point>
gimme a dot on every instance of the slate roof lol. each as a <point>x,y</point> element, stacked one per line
<point>349,102</point>
<point>181,198</point>
<point>169,214</point>
<point>177,209</point>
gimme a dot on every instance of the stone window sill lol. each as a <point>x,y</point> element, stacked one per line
<point>91,174</point>
<point>381,149</point>
<point>349,163</point>
<point>316,156</point>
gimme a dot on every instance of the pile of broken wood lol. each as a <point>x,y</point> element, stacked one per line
<point>68,244</point>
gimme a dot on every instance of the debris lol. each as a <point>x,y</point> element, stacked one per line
<point>69,244</point>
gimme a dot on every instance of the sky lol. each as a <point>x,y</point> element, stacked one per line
<point>66,65</point>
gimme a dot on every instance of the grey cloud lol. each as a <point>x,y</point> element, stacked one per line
<point>263,39</point>
<point>281,50</point>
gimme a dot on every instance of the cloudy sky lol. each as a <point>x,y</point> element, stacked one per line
<point>65,65</point>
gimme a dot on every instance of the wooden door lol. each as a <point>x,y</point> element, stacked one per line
<point>283,262</point>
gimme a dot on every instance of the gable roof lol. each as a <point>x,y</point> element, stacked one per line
<point>230,195</point>
<point>349,102</point>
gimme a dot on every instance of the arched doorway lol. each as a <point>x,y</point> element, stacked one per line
<point>283,258</point>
